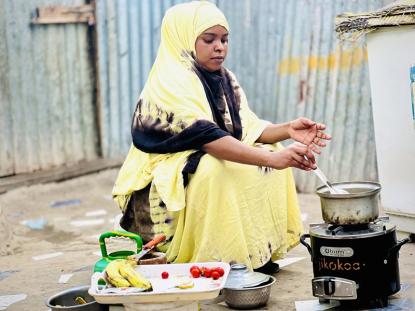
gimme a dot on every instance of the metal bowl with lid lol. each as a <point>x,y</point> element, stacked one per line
<point>245,289</point>
<point>240,277</point>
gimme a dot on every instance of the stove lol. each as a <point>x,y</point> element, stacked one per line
<point>356,265</point>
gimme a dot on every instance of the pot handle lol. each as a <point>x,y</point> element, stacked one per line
<point>394,249</point>
<point>302,241</point>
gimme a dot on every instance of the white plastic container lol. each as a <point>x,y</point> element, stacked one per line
<point>391,52</point>
<point>164,290</point>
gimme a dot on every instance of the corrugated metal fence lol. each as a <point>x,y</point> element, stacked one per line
<point>128,38</point>
<point>286,56</point>
<point>284,53</point>
<point>47,113</point>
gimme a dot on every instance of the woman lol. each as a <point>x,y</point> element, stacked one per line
<point>203,169</point>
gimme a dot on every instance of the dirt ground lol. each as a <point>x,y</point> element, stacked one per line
<point>67,218</point>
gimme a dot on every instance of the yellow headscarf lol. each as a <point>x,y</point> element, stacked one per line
<point>172,86</point>
<point>172,99</point>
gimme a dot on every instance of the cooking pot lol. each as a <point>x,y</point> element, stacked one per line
<point>359,206</point>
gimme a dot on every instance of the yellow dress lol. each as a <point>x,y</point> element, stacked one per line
<point>236,213</point>
<point>228,211</point>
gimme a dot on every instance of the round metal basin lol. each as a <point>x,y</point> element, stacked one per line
<point>69,300</point>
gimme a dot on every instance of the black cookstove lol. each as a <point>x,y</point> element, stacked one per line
<point>356,265</point>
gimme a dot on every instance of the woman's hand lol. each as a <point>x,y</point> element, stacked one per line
<point>230,149</point>
<point>308,133</point>
<point>295,155</point>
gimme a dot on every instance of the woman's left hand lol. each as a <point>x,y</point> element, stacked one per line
<point>309,133</point>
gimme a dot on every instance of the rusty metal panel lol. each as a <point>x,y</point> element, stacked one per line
<point>50,114</point>
<point>287,57</point>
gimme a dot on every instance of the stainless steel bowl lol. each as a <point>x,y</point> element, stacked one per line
<point>65,301</point>
<point>249,297</point>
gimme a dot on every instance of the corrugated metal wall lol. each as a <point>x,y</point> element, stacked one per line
<point>128,39</point>
<point>290,62</point>
<point>286,56</point>
<point>47,115</point>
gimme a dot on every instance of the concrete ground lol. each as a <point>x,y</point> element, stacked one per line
<point>66,219</point>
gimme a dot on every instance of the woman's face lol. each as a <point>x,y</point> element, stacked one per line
<point>211,48</point>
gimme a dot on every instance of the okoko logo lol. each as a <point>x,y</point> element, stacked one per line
<point>337,265</point>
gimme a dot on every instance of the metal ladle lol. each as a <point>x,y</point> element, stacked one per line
<point>325,181</point>
<point>323,178</point>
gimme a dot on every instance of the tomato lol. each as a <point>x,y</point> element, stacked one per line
<point>195,273</point>
<point>215,275</point>
<point>194,267</point>
<point>220,270</point>
<point>207,272</point>
<point>164,275</point>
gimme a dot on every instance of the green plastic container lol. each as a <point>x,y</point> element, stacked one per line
<point>122,254</point>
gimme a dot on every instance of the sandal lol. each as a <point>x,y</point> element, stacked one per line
<point>269,268</point>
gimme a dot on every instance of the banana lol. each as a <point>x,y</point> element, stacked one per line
<point>184,282</point>
<point>113,274</point>
<point>80,300</point>
<point>135,278</point>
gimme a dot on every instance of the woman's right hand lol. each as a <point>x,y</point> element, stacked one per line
<point>295,155</point>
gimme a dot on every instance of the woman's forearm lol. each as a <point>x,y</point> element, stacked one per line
<point>274,133</point>
<point>231,149</point>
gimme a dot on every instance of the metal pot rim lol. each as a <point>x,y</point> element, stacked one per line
<point>370,187</point>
